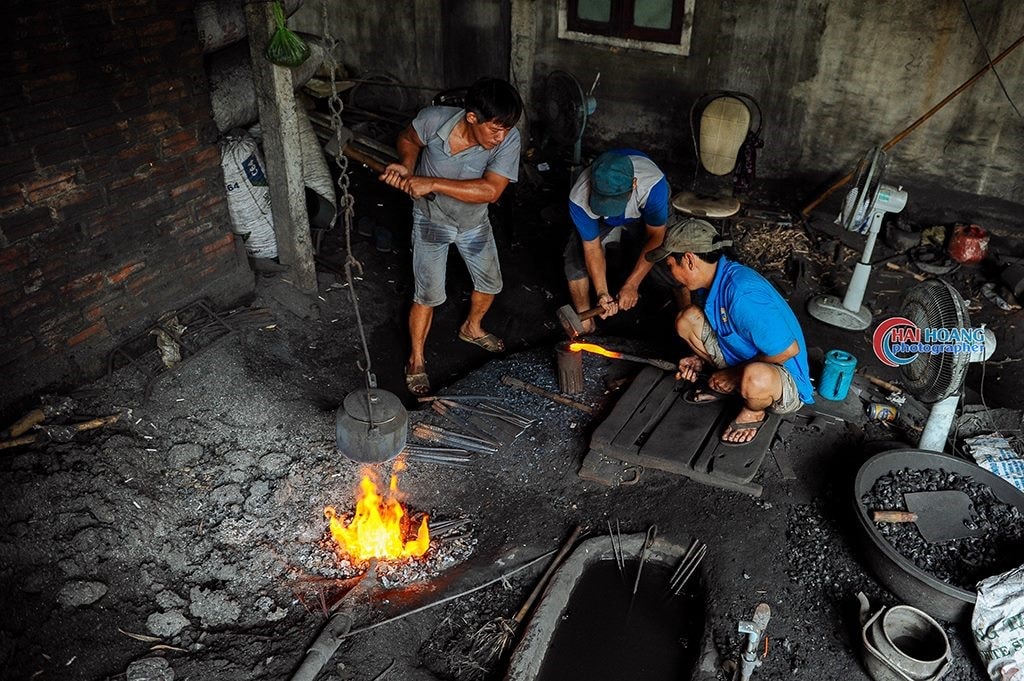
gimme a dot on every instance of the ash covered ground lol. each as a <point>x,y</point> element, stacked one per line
<point>192,529</point>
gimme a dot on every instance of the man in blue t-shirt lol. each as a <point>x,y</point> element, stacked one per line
<point>745,330</point>
<point>623,194</point>
<point>453,162</point>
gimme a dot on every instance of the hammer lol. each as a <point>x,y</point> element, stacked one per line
<point>372,162</point>
<point>572,321</point>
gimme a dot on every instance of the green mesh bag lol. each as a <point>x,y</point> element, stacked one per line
<point>285,48</point>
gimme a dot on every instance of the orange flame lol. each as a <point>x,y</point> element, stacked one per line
<point>378,527</point>
<point>596,349</point>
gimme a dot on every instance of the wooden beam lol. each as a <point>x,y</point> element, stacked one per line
<point>275,99</point>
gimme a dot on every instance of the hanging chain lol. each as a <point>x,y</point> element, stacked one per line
<point>346,202</point>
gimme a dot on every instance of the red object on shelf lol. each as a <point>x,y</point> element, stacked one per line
<point>969,244</point>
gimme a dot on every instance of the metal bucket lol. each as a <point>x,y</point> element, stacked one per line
<point>904,644</point>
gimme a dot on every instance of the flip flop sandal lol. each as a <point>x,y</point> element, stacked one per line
<point>418,384</point>
<point>691,396</point>
<point>488,342</point>
<point>749,425</point>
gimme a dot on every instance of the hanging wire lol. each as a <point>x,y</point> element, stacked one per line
<point>346,202</point>
<point>988,57</point>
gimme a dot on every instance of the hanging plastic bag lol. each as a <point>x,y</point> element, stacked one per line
<point>285,48</point>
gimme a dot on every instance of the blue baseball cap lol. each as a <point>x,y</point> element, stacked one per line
<point>611,184</point>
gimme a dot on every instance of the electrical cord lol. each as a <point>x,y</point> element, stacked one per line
<point>988,57</point>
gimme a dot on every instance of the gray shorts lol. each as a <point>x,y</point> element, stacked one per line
<point>787,403</point>
<point>430,243</point>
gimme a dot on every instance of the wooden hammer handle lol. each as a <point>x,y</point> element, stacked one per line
<point>894,516</point>
<point>373,163</point>
<point>513,382</point>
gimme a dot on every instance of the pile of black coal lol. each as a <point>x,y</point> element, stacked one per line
<point>958,562</point>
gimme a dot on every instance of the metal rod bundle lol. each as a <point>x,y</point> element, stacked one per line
<point>615,537</point>
<point>441,436</point>
<point>652,532</point>
<point>490,409</point>
<point>441,458</point>
<point>443,527</point>
<point>441,408</point>
<point>687,566</point>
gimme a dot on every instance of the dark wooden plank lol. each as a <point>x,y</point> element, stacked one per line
<point>623,410</point>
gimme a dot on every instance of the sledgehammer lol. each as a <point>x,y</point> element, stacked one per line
<point>572,321</point>
<point>373,163</point>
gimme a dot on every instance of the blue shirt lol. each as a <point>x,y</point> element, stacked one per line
<point>751,318</point>
<point>649,200</point>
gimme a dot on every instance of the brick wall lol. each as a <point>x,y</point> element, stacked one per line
<point>112,208</point>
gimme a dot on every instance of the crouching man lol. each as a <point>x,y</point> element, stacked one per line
<point>745,333</point>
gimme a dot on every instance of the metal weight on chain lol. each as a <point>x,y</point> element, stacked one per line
<point>371,425</point>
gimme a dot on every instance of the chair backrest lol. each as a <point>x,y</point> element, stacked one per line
<point>725,118</point>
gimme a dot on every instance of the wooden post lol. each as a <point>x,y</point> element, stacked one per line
<point>275,98</point>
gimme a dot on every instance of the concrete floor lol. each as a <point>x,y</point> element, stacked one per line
<point>201,514</point>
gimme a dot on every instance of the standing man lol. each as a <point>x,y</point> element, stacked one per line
<point>620,190</point>
<point>745,331</point>
<point>454,162</point>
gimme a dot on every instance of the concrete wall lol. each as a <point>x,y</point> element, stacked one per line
<point>398,37</point>
<point>833,78</point>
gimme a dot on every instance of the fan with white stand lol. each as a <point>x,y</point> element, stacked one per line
<point>865,206</point>
<point>566,109</point>
<point>938,378</point>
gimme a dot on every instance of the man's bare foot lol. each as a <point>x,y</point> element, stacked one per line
<point>744,427</point>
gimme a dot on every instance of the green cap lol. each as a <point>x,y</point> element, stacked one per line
<point>688,235</point>
<point>611,184</point>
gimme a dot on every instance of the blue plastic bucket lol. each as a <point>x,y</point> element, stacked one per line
<point>837,375</point>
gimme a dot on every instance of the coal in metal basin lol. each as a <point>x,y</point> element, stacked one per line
<point>900,574</point>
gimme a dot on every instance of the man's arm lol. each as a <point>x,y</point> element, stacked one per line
<point>629,294</point>
<point>593,256</point>
<point>486,189</point>
<point>409,146</point>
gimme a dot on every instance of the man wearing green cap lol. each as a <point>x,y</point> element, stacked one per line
<point>623,194</point>
<point>744,330</point>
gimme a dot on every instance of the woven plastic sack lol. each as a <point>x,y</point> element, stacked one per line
<point>998,625</point>
<point>285,48</point>
<point>248,195</point>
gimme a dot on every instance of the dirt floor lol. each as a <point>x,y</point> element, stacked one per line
<point>192,530</point>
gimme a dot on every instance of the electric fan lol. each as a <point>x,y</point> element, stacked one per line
<point>865,206</point>
<point>938,310</point>
<point>566,110</point>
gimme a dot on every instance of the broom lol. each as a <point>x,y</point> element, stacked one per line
<point>491,640</point>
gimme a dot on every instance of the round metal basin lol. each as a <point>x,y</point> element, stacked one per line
<point>912,584</point>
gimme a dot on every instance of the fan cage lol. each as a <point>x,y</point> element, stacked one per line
<point>935,304</point>
<point>564,107</point>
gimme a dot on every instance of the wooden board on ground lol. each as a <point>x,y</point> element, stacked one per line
<point>685,440</point>
<point>699,205</point>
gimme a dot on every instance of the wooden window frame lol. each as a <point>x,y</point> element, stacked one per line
<point>620,31</point>
<point>621,23</point>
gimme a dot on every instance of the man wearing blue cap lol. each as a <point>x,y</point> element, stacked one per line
<point>620,190</point>
<point>745,332</point>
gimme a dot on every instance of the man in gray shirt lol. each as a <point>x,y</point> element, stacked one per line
<point>454,162</point>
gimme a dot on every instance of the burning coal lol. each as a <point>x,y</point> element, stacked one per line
<point>380,527</point>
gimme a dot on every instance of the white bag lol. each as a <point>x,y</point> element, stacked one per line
<point>998,625</point>
<point>245,180</point>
